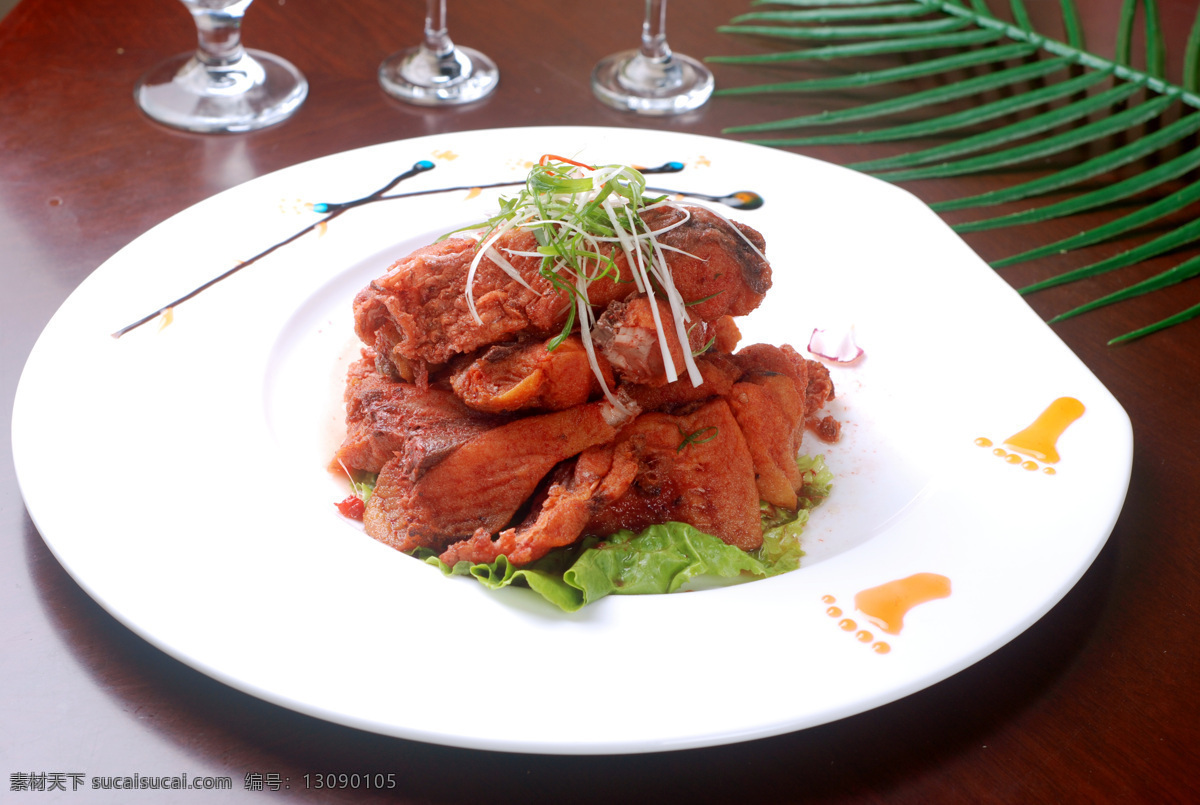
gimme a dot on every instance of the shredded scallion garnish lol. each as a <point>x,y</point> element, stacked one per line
<point>580,215</point>
<point>700,436</point>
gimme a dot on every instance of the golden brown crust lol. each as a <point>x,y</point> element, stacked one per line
<point>527,375</point>
<point>488,443</point>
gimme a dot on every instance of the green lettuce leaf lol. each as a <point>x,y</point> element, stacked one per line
<point>660,559</point>
<point>544,577</point>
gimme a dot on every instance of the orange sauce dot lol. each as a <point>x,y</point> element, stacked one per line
<point>833,612</point>
<point>983,441</point>
<point>881,648</point>
<point>1013,458</point>
<point>828,599</point>
<point>847,624</point>
<point>1040,440</point>
<point>886,605</point>
<point>1029,465</point>
<point>864,636</point>
<point>999,452</point>
<point>1050,471</point>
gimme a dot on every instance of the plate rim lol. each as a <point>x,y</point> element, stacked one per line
<point>22,402</point>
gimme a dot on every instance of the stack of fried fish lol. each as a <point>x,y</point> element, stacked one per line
<point>492,434</point>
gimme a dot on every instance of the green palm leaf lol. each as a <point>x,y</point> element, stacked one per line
<point>1041,148</point>
<point>1155,117</point>
<point>855,49</point>
<point>1075,174</point>
<point>1024,129</point>
<point>906,72</point>
<point>1173,239</point>
<point>853,31</point>
<point>916,100</point>
<point>956,120</point>
<point>1121,190</point>
<point>837,13</point>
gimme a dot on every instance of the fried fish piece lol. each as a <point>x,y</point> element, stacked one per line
<point>386,418</point>
<point>600,475</point>
<point>529,375</point>
<point>769,409</point>
<point>694,468</point>
<point>627,336</point>
<point>718,371</point>
<point>781,394</point>
<point>416,316</point>
<point>482,483</point>
<point>717,269</point>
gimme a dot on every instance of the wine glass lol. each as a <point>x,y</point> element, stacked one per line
<point>437,71</point>
<point>222,86</point>
<point>652,80</point>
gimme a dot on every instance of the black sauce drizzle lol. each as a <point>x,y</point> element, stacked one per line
<point>742,200</point>
<point>417,168</point>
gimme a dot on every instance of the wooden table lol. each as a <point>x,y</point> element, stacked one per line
<point>1096,702</point>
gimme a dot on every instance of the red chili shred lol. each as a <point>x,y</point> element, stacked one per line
<point>352,507</point>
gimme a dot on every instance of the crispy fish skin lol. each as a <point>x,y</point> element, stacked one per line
<point>694,468</point>
<point>715,270</point>
<point>454,479</point>
<point>528,375</point>
<point>600,475</point>
<point>652,473</point>
<point>719,372</point>
<point>488,444</point>
<point>385,419</point>
<point>418,311</point>
<point>483,482</point>
<point>417,314</point>
<point>770,412</point>
<point>768,402</point>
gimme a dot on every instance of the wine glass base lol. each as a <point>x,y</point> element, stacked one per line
<point>633,83</point>
<point>256,91</point>
<point>417,75</point>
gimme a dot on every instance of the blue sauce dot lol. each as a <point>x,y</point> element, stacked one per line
<point>423,165</point>
<point>320,208</point>
<point>674,166</point>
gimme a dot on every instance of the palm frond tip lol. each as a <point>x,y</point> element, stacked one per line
<point>976,36</point>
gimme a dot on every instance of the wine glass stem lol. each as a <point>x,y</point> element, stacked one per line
<point>437,37</point>
<point>654,31</point>
<point>220,35</point>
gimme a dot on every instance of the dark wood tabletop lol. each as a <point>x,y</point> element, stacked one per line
<point>1095,702</point>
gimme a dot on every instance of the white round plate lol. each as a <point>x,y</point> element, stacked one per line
<point>179,472</point>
